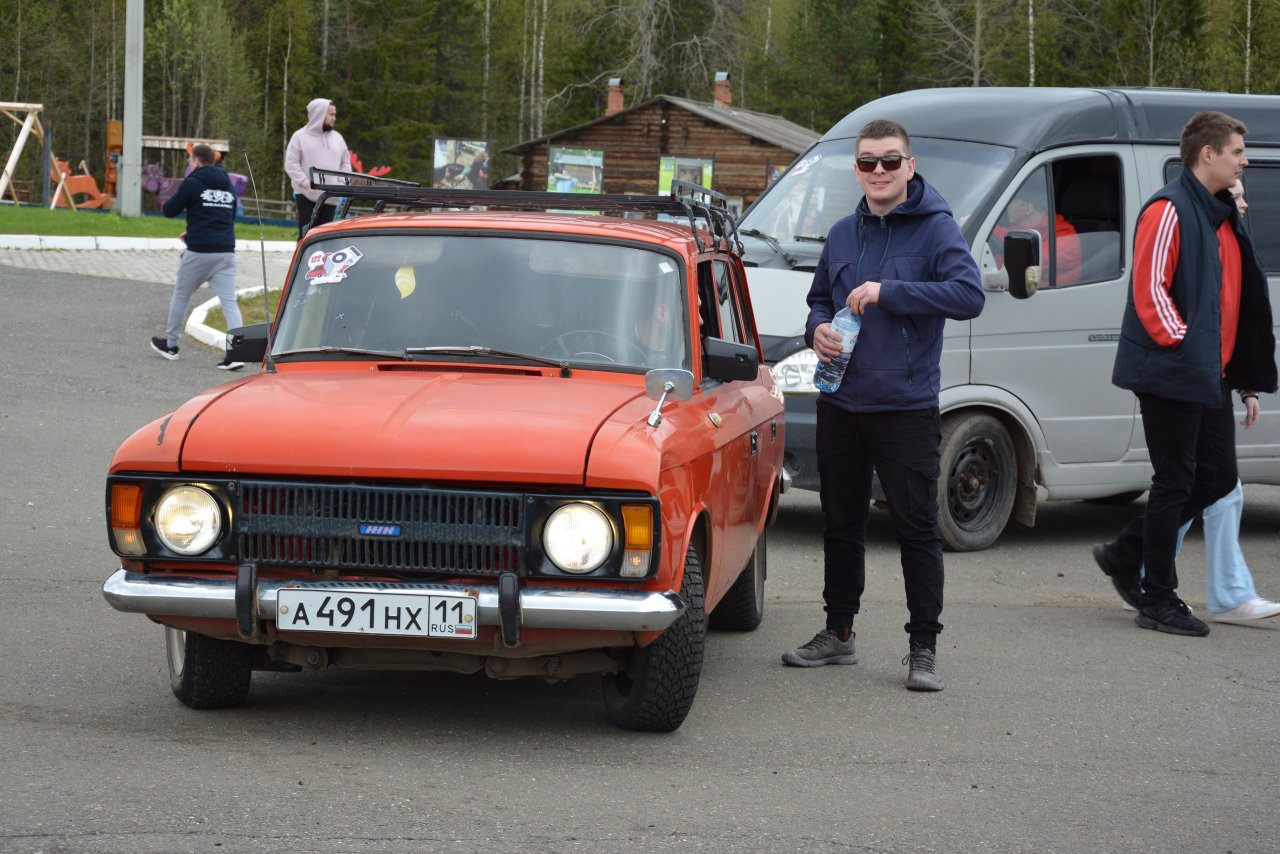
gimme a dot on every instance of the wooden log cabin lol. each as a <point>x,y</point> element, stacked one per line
<point>639,149</point>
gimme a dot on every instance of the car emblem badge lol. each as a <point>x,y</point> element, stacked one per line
<point>370,529</point>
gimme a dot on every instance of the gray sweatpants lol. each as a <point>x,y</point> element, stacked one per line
<point>196,268</point>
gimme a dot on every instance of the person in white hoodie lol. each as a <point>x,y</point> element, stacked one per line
<point>315,144</point>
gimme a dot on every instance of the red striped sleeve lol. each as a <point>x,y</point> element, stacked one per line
<point>1155,257</point>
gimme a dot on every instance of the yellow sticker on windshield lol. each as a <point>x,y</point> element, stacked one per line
<point>405,281</point>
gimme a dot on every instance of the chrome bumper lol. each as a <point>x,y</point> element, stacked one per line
<point>543,608</point>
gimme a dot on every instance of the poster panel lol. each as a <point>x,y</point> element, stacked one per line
<point>461,164</point>
<point>575,170</point>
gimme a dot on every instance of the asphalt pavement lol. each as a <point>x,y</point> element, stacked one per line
<point>1063,727</point>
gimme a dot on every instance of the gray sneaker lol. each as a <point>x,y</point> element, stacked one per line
<point>922,674</point>
<point>825,648</point>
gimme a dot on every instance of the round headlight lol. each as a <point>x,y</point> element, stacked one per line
<point>795,373</point>
<point>188,520</point>
<point>578,538</point>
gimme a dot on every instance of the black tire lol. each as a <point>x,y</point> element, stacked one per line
<point>742,608</point>
<point>977,480</point>
<point>1117,500</point>
<point>656,691</point>
<point>206,673</point>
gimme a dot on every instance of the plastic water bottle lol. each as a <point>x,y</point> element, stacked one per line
<point>828,375</point>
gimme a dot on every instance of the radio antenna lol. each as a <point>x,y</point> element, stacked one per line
<point>262,251</point>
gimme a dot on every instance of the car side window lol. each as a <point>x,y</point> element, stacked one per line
<point>727,308</point>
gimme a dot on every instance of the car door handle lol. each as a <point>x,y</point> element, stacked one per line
<point>755,442</point>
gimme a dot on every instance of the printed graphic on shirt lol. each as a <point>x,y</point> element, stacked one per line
<point>327,267</point>
<point>218,198</point>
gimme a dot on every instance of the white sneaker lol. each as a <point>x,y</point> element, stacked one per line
<point>1249,612</point>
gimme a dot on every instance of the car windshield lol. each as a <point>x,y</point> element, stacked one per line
<point>437,294</point>
<point>820,188</point>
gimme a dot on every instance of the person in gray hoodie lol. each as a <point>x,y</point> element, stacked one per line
<point>315,144</point>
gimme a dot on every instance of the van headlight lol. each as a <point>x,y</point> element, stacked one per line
<point>188,520</point>
<point>578,538</point>
<point>795,373</point>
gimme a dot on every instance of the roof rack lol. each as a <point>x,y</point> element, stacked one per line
<point>686,199</point>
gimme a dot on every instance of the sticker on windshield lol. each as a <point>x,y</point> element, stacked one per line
<point>327,267</point>
<point>803,166</point>
<point>665,267</point>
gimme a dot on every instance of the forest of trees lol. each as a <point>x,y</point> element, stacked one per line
<point>405,71</point>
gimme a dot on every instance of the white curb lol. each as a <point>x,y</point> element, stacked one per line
<point>135,244</point>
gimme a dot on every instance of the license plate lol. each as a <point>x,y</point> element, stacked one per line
<point>419,615</point>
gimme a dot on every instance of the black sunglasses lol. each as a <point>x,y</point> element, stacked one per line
<point>890,162</point>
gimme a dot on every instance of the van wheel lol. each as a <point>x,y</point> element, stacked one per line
<point>655,691</point>
<point>206,673</point>
<point>742,608</point>
<point>976,482</point>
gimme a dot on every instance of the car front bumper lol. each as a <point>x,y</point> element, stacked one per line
<point>545,607</point>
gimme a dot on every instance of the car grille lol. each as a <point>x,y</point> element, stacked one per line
<point>402,530</point>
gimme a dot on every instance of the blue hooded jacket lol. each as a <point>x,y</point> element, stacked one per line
<point>210,204</point>
<point>926,274</point>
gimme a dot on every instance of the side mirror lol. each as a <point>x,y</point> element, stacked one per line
<point>726,361</point>
<point>663,384</point>
<point>247,343</point>
<point>1022,261</point>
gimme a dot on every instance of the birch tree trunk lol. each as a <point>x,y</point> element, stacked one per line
<point>1031,42</point>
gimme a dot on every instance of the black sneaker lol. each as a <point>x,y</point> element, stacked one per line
<point>1124,578</point>
<point>1172,616</point>
<point>227,365</point>
<point>162,347</point>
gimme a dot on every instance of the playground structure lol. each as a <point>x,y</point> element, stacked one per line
<point>30,123</point>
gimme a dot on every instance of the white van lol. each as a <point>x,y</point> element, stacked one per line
<point>1028,408</point>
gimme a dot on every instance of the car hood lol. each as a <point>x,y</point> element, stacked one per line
<point>410,422</point>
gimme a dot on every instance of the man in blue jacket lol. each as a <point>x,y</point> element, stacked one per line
<point>210,205</point>
<point>900,262</point>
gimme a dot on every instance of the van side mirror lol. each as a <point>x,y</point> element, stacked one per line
<point>1022,261</point>
<point>247,343</point>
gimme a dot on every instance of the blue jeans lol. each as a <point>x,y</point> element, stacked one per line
<point>903,449</point>
<point>1229,582</point>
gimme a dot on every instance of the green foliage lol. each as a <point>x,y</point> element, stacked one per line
<point>405,71</point>
<point>92,223</point>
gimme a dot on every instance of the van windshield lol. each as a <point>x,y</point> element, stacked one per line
<point>820,188</point>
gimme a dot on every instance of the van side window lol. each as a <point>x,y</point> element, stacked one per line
<point>1084,244</point>
<point>1262,192</point>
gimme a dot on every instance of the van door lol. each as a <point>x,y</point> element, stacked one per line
<point>1054,351</point>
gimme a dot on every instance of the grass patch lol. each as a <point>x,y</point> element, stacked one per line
<point>251,310</point>
<point>39,220</point>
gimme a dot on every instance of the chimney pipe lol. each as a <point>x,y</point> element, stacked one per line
<point>722,95</point>
<point>614,103</point>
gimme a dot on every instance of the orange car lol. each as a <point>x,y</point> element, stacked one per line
<point>506,440</point>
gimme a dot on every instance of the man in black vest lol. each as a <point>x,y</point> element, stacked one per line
<point>1197,324</point>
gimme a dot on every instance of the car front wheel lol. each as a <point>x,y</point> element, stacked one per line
<point>206,673</point>
<point>742,608</point>
<point>655,691</point>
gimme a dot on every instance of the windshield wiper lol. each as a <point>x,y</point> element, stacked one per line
<point>475,350</point>
<point>809,238</point>
<point>772,243</point>
<point>349,351</point>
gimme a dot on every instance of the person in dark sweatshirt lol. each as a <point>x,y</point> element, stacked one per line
<point>210,205</point>
<point>901,263</point>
